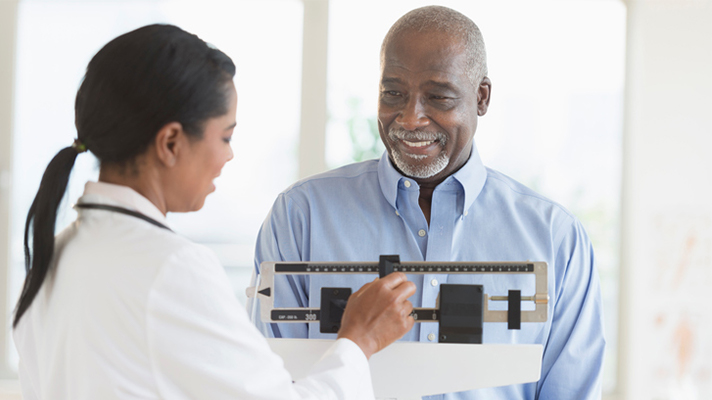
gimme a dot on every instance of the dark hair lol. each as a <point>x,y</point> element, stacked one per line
<point>133,86</point>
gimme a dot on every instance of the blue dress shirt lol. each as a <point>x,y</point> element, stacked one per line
<point>363,210</point>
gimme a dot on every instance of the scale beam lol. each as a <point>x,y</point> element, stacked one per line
<point>265,290</point>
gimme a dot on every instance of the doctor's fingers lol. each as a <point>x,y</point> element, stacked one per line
<point>404,290</point>
<point>394,302</point>
<point>396,286</point>
<point>393,288</point>
<point>364,288</point>
<point>385,283</point>
<point>399,315</point>
<point>406,310</point>
<point>396,281</point>
<point>392,280</point>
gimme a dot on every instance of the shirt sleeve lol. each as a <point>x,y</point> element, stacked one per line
<point>283,237</point>
<point>203,346</point>
<point>573,357</point>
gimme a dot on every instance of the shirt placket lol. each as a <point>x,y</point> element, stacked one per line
<point>409,210</point>
<point>438,246</point>
<point>439,249</point>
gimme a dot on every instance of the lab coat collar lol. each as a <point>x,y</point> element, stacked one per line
<point>121,196</point>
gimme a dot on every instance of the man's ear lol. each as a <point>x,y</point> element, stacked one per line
<point>483,96</point>
<point>168,143</point>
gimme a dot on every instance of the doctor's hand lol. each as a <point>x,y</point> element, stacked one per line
<point>378,314</point>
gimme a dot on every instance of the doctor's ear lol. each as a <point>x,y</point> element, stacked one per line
<point>168,142</point>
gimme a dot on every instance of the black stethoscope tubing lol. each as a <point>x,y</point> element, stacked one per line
<point>121,210</point>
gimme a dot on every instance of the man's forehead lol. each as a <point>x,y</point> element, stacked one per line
<point>432,77</point>
<point>435,45</point>
<point>440,56</point>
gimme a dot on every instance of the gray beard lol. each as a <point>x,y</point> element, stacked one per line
<point>421,171</point>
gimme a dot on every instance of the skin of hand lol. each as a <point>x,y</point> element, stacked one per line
<point>378,314</point>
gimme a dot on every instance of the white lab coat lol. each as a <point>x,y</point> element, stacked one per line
<point>133,311</point>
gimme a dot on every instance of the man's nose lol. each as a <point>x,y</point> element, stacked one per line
<point>412,116</point>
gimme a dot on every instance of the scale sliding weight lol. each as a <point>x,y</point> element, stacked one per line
<point>461,309</point>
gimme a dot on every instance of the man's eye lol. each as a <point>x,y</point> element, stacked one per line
<point>391,93</point>
<point>227,139</point>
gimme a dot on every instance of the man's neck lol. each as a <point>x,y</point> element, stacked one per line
<point>425,198</point>
<point>427,187</point>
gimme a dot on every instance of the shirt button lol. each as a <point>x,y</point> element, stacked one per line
<point>431,337</point>
<point>397,213</point>
<point>434,282</point>
<point>465,213</point>
<point>421,232</point>
<point>407,184</point>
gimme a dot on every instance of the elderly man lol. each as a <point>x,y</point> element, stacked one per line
<point>430,198</point>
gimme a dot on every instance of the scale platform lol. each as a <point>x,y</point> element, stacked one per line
<point>410,370</point>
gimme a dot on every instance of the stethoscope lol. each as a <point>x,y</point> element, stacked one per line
<point>105,207</point>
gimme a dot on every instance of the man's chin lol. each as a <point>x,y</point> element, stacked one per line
<point>419,168</point>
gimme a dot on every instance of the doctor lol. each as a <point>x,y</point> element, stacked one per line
<point>117,306</point>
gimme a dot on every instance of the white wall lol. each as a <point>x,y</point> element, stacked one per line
<point>313,117</point>
<point>666,320</point>
<point>8,25</point>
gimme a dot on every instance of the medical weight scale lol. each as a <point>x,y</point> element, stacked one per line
<point>409,370</point>
<point>461,311</point>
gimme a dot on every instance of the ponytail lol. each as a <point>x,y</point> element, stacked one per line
<point>41,219</point>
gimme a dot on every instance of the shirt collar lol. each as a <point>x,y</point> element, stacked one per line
<point>121,196</point>
<point>471,177</point>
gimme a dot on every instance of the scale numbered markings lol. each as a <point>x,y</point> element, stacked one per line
<point>291,268</point>
<point>309,315</point>
<point>299,314</point>
<point>465,268</point>
<point>285,268</point>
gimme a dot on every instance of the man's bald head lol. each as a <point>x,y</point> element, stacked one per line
<point>445,20</point>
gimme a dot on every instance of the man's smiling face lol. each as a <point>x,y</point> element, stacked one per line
<point>428,107</point>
